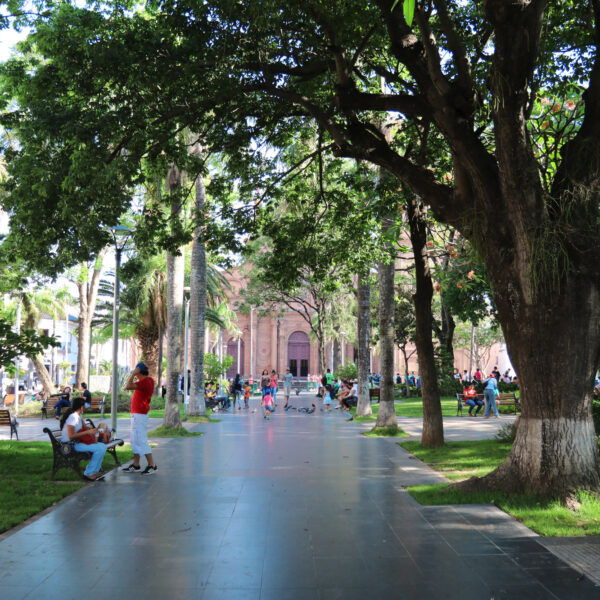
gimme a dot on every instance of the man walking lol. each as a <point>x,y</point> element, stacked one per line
<point>143,387</point>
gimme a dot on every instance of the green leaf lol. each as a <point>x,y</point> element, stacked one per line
<point>409,11</point>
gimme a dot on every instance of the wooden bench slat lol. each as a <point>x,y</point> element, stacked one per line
<point>7,420</point>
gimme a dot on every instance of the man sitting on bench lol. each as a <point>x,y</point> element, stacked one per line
<point>350,398</point>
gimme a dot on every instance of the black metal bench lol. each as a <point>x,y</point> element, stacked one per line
<point>7,420</point>
<point>374,393</point>
<point>461,402</point>
<point>65,455</point>
<point>508,399</point>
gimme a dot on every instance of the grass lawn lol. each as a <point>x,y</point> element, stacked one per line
<point>461,460</point>
<point>411,407</point>
<point>173,432</point>
<point>385,432</point>
<point>26,489</point>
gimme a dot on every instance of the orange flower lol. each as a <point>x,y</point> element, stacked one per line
<point>470,274</point>
<point>545,124</point>
<point>437,287</point>
<point>570,104</point>
<point>556,107</point>
<point>430,244</point>
<point>460,284</point>
<point>545,101</point>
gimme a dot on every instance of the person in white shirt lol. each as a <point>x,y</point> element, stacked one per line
<point>351,397</point>
<point>73,430</point>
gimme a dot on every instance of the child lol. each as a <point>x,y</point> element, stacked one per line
<point>267,403</point>
<point>247,394</point>
<point>327,398</point>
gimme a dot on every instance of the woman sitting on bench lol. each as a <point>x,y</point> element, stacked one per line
<point>470,396</point>
<point>73,429</point>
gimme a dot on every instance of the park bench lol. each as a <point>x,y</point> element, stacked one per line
<point>461,402</point>
<point>7,420</point>
<point>9,399</point>
<point>374,393</point>
<point>48,402</point>
<point>65,455</point>
<point>97,403</point>
<point>508,399</point>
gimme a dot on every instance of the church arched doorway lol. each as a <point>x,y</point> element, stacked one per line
<point>299,354</point>
<point>232,350</point>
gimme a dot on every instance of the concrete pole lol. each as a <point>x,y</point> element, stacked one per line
<point>115,356</point>
<point>185,353</point>
<point>17,360</point>
<point>251,342</point>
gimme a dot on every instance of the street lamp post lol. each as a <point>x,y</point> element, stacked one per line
<point>18,359</point>
<point>118,230</point>
<point>185,349</point>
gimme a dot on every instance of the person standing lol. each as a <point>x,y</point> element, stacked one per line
<point>265,382</point>
<point>236,390</point>
<point>489,391</point>
<point>273,385</point>
<point>143,387</point>
<point>288,379</point>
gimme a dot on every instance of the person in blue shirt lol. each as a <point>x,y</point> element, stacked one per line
<point>490,390</point>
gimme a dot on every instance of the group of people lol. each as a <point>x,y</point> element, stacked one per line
<point>480,376</point>
<point>490,391</point>
<point>94,439</point>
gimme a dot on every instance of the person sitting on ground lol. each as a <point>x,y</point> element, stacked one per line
<point>470,396</point>
<point>267,404</point>
<point>84,438</point>
<point>64,399</point>
<point>351,399</point>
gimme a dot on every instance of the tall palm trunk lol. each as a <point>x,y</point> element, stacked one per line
<point>363,407</point>
<point>197,405</point>
<point>175,280</point>
<point>387,414</point>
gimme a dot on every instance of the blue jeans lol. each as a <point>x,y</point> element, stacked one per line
<point>490,402</point>
<point>98,451</point>
<point>274,394</point>
<point>472,403</point>
<point>61,404</point>
<point>265,390</point>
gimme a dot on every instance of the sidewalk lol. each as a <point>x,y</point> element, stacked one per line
<point>297,507</point>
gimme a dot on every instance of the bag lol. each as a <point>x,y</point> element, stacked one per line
<point>89,438</point>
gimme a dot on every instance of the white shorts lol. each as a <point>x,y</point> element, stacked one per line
<point>286,390</point>
<point>139,434</point>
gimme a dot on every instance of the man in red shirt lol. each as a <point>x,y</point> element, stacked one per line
<point>143,387</point>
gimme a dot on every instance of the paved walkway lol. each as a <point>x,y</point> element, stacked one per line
<point>292,508</point>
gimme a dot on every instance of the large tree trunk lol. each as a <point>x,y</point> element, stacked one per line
<point>363,407</point>
<point>88,296</point>
<point>43,375</point>
<point>555,451</point>
<point>158,388</point>
<point>197,405</point>
<point>147,338</point>
<point>433,427</point>
<point>175,280</point>
<point>445,336</point>
<point>336,355</point>
<point>387,414</point>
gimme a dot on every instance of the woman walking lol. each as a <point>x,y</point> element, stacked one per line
<point>265,382</point>
<point>490,391</point>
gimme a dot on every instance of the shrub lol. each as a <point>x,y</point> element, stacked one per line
<point>123,403</point>
<point>347,371</point>
<point>157,403</point>
<point>507,387</point>
<point>596,413</point>
<point>449,386</point>
<point>507,432</point>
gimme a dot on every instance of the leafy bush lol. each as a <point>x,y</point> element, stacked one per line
<point>400,390</point>
<point>347,371</point>
<point>507,387</point>
<point>596,412</point>
<point>123,403</point>
<point>507,432</point>
<point>157,403</point>
<point>449,386</point>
